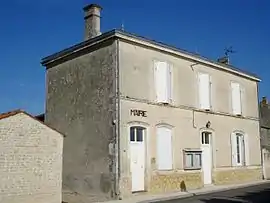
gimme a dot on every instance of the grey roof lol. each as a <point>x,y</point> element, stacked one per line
<point>116,31</point>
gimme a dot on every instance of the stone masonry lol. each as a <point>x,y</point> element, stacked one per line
<point>30,161</point>
<point>80,103</point>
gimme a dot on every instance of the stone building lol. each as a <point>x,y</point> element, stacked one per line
<point>140,115</point>
<point>265,135</point>
<point>30,160</point>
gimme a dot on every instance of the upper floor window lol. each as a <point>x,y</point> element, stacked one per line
<point>163,82</point>
<point>236,94</point>
<point>204,91</point>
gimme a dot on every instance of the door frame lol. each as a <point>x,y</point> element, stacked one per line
<point>146,152</point>
<point>212,147</point>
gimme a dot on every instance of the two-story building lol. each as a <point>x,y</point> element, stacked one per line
<point>142,116</point>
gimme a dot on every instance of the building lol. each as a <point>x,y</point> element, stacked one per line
<point>140,115</point>
<point>265,135</point>
<point>31,160</point>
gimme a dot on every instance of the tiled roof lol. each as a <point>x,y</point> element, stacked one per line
<point>17,111</point>
<point>10,113</point>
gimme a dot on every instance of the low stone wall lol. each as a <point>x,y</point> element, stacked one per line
<point>175,181</point>
<point>236,175</point>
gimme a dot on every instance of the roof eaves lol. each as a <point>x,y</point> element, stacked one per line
<point>76,47</point>
<point>187,53</point>
<point>122,34</point>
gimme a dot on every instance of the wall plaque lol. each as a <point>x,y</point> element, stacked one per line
<point>137,112</point>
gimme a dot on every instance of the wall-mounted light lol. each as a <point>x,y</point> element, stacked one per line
<point>208,124</point>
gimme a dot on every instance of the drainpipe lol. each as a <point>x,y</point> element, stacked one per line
<point>117,126</point>
<point>259,111</point>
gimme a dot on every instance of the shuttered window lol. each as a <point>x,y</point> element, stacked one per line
<point>236,98</point>
<point>204,91</point>
<point>164,148</point>
<point>163,82</point>
<point>240,153</point>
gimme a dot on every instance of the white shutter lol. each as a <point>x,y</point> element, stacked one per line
<point>246,142</point>
<point>204,91</point>
<point>169,83</point>
<point>164,148</point>
<point>234,149</point>
<point>236,98</point>
<point>162,82</point>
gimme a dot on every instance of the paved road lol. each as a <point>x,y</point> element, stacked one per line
<point>254,194</point>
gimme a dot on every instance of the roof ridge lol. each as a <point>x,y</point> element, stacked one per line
<point>17,111</point>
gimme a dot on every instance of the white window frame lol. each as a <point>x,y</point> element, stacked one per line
<point>193,153</point>
<point>202,104</point>
<point>160,165</point>
<point>242,146</point>
<point>163,95</point>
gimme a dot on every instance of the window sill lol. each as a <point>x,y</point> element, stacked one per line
<point>192,169</point>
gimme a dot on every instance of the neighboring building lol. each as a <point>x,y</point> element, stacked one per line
<point>140,115</point>
<point>31,160</point>
<point>265,135</point>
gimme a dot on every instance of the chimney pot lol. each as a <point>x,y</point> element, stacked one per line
<point>224,60</point>
<point>92,20</point>
<point>264,101</point>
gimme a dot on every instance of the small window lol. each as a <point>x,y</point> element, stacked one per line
<point>132,134</point>
<point>139,137</point>
<point>206,137</point>
<point>193,159</point>
<point>136,134</point>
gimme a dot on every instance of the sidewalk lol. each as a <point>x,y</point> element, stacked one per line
<point>179,195</point>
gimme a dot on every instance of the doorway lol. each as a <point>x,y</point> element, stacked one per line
<point>206,146</point>
<point>137,157</point>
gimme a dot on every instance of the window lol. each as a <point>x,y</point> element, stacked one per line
<point>239,146</point>
<point>206,136</point>
<point>163,82</point>
<point>192,159</point>
<point>136,134</point>
<point>164,148</point>
<point>204,91</point>
<point>236,98</point>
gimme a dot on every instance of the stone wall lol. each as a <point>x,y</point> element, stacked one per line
<point>80,103</point>
<point>30,161</point>
<point>176,181</point>
<point>237,175</point>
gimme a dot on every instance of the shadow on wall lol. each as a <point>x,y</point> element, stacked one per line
<point>250,197</point>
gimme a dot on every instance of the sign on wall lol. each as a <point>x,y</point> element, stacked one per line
<point>137,112</point>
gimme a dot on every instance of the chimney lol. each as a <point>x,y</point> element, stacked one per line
<point>224,60</point>
<point>264,101</point>
<point>92,21</point>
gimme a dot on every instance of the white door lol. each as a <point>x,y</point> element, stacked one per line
<point>137,158</point>
<point>206,157</point>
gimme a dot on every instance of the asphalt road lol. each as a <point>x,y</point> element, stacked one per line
<point>254,194</point>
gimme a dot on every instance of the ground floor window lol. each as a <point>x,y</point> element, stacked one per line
<point>164,148</point>
<point>192,159</point>
<point>239,147</point>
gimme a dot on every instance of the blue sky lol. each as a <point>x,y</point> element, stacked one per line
<point>31,30</point>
